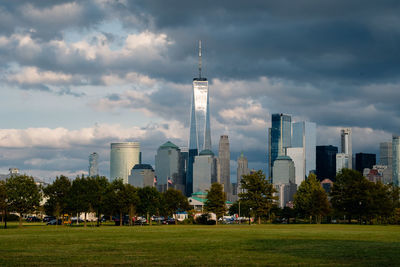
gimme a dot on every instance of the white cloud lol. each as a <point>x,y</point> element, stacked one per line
<point>32,75</point>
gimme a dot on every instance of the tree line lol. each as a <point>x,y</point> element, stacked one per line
<point>83,195</point>
<point>352,197</point>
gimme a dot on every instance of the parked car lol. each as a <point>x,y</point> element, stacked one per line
<point>74,220</point>
<point>33,219</point>
<point>48,218</point>
<point>125,220</point>
<point>55,222</point>
<point>169,221</point>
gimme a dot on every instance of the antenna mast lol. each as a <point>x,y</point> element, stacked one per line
<point>200,59</point>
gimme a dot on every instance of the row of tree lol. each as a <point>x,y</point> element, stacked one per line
<point>20,194</point>
<point>351,197</point>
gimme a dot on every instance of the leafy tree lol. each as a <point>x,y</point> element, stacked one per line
<point>150,200</point>
<point>23,195</point>
<point>351,194</point>
<point>173,201</point>
<point>78,197</point>
<point>3,197</point>
<point>258,193</point>
<point>97,194</point>
<point>311,199</point>
<point>57,195</point>
<point>126,199</point>
<point>216,198</point>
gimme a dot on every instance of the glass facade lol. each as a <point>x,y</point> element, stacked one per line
<point>305,135</point>
<point>200,132</point>
<point>326,162</point>
<point>167,162</point>
<point>93,164</point>
<point>385,154</point>
<point>396,159</point>
<point>204,171</point>
<point>123,157</point>
<point>281,136</point>
<point>297,155</point>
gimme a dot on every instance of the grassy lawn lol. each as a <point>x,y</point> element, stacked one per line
<point>229,245</point>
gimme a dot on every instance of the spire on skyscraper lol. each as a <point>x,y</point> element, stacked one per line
<point>200,59</point>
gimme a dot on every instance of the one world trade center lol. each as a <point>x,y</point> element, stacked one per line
<point>200,133</point>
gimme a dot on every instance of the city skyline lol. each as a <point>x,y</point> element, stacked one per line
<point>73,85</point>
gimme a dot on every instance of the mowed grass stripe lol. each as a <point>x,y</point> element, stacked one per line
<point>225,245</point>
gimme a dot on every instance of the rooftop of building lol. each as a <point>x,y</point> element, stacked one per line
<point>283,158</point>
<point>142,167</point>
<point>169,144</point>
<point>206,152</point>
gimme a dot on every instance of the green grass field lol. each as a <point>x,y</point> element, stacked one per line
<point>229,245</point>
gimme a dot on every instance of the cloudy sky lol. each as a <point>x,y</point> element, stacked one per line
<point>77,75</point>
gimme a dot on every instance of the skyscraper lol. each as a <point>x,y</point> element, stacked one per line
<point>200,132</point>
<point>142,175</point>
<point>93,164</point>
<point>346,145</point>
<point>365,160</point>
<point>224,159</point>
<point>204,171</point>
<point>242,169</point>
<point>385,154</point>
<point>305,136</point>
<point>396,159</point>
<point>280,138</point>
<point>123,157</point>
<point>167,162</point>
<point>326,162</point>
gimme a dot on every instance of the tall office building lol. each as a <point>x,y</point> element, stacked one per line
<point>305,136</point>
<point>346,145</point>
<point>123,157</point>
<point>298,156</point>
<point>224,158</point>
<point>342,161</point>
<point>284,179</point>
<point>396,160</point>
<point>280,138</point>
<point>93,164</point>
<point>326,162</point>
<point>242,169</point>
<point>204,171</point>
<point>385,154</point>
<point>364,161</point>
<point>200,131</point>
<point>167,162</point>
<point>142,175</point>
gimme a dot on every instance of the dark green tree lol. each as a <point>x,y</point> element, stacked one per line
<point>23,195</point>
<point>311,199</point>
<point>3,198</point>
<point>350,195</point>
<point>216,198</point>
<point>57,195</point>
<point>173,201</point>
<point>78,197</point>
<point>258,193</point>
<point>97,194</point>
<point>149,203</point>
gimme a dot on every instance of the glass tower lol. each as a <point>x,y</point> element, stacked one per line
<point>280,137</point>
<point>305,136</point>
<point>93,164</point>
<point>200,131</point>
